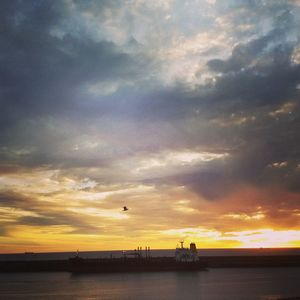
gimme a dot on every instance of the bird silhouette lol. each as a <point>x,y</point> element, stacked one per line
<point>125,208</point>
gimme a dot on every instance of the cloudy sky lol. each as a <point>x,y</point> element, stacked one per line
<point>185,111</point>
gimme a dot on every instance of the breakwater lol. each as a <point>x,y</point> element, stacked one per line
<point>158,264</point>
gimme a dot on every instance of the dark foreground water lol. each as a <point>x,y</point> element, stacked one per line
<point>215,284</point>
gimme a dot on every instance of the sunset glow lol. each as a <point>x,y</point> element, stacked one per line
<point>185,112</point>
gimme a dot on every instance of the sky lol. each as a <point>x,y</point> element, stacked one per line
<point>185,111</point>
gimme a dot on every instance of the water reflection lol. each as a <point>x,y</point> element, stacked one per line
<point>215,284</point>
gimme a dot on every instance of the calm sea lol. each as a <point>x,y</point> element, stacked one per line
<point>215,284</point>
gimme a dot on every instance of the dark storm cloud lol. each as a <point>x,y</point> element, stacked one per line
<point>260,71</point>
<point>253,146</point>
<point>43,73</point>
<point>255,80</point>
<point>260,75</point>
<point>271,78</point>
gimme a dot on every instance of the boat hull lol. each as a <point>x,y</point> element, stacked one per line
<point>133,265</point>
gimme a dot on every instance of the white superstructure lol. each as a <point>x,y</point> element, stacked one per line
<point>186,254</point>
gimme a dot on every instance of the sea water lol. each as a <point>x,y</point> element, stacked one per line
<point>214,284</point>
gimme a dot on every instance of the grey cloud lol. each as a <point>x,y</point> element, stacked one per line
<point>43,75</point>
<point>45,215</point>
<point>3,230</point>
<point>254,145</point>
<point>55,219</point>
<point>259,72</point>
<point>260,75</point>
<point>253,148</point>
<point>98,8</point>
<point>38,221</point>
<point>13,200</point>
<point>212,185</point>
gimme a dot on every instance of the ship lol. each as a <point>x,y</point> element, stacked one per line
<point>185,259</point>
<point>141,260</point>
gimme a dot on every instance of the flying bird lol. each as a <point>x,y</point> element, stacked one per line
<point>125,208</point>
